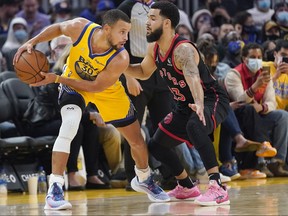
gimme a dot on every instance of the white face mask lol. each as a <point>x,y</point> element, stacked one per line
<point>254,64</point>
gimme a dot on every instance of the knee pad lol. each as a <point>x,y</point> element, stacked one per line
<point>71,117</point>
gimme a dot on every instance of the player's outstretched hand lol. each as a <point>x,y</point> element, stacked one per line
<point>48,78</point>
<point>199,111</point>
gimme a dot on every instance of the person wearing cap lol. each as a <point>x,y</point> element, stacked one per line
<point>202,22</point>
<point>270,31</point>
<point>62,12</point>
<point>261,12</point>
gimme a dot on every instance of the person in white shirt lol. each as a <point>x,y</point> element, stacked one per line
<point>261,12</point>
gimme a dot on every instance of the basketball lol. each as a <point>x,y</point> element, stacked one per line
<point>29,66</point>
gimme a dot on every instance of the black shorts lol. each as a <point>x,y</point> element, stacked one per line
<point>173,128</point>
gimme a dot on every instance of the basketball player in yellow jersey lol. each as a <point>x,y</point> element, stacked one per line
<point>91,74</point>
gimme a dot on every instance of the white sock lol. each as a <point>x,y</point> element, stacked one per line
<point>142,174</point>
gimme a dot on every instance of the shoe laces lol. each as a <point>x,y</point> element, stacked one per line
<point>214,190</point>
<point>152,186</point>
<point>57,192</point>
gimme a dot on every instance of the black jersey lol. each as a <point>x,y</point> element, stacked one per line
<point>176,80</point>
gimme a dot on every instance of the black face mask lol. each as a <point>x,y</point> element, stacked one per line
<point>249,29</point>
<point>269,55</point>
<point>272,37</point>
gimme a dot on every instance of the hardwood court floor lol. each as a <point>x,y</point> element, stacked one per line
<point>248,197</point>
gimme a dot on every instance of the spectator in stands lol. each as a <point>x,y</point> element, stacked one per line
<point>232,44</point>
<point>280,16</point>
<point>270,31</point>
<point>36,21</point>
<point>261,12</point>
<point>230,128</point>
<point>252,85</point>
<point>17,35</point>
<point>245,27</point>
<point>8,9</point>
<point>224,29</point>
<point>268,50</point>
<point>62,12</point>
<point>184,31</point>
<point>90,11</point>
<point>219,13</point>
<point>202,22</point>
<point>279,73</point>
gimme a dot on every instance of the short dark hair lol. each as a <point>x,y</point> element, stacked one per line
<point>281,43</point>
<point>168,10</point>
<point>250,46</point>
<point>9,2</point>
<point>114,15</point>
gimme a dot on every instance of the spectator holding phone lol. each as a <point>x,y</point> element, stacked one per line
<point>250,83</point>
<point>279,73</point>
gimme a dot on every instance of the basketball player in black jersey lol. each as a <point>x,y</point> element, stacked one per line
<point>201,103</point>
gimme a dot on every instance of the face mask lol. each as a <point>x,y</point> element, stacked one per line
<point>254,64</point>
<point>270,55</point>
<point>272,37</point>
<point>249,29</point>
<point>264,4</point>
<point>21,35</point>
<point>282,17</point>
<point>234,47</point>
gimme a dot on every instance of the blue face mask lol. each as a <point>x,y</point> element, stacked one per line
<point>282,17</point>
<point>254,64</point>
<point>264,4</point>
<point>21,35</point>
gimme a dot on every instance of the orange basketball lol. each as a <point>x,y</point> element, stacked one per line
<point>29,66</point>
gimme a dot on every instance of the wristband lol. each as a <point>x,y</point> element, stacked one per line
<point>57,79</point>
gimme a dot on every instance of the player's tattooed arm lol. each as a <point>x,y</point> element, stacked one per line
<point>185,56</point>
<point>186,59</point>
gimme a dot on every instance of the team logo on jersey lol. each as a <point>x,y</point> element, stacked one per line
<point>168,118</point>
<point>85,69</point>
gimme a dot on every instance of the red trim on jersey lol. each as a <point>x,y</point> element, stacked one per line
<point>174,136</point>
<point>169,50</point>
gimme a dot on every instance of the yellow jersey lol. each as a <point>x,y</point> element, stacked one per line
<point>113,103</point>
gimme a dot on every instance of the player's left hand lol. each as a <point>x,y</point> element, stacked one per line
<point>48,78</point>
<point>199,111</point>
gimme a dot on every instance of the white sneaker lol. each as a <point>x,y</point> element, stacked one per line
<point>224,178</point>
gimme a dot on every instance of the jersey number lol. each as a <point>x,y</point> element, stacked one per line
<point>177,95</point>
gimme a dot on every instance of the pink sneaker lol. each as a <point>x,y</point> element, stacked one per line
<point>215,195</point>
<point>180,192</point>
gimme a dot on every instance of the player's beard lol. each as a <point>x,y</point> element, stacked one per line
<point>155,35</point>
<point>114,46</point>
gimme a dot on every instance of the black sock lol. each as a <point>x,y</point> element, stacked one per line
<point>216,177</point>
<point>187,182</point>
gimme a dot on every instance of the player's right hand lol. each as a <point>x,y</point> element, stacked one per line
<point>24,47</point>
<point>133,86</point>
